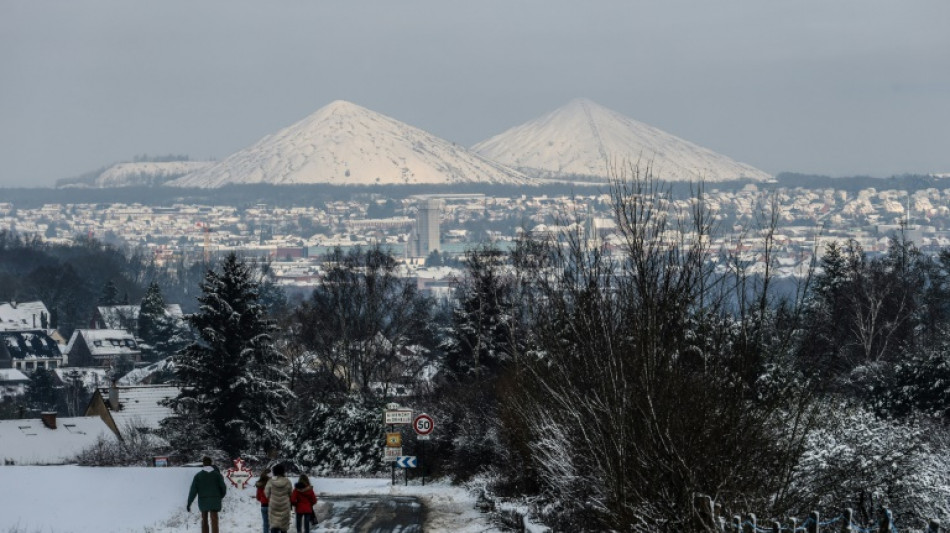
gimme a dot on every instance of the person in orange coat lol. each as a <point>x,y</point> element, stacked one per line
<point>303,499</point>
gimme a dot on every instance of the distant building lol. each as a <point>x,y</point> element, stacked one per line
<point>12,383</point>
<point>126,316</point>
<point>425,233</point>
<point>101,347</point>
<point>23,316</point>
<point>29,350</point>
<point>138,407</point>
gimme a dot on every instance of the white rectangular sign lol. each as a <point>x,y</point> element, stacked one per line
<point>391,454</point>
<point>398,416</point>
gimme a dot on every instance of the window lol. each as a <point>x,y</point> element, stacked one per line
<point>28,431</point>
<point>29,366</point>
<point>97,343</point>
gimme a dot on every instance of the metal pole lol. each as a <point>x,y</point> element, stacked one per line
<point>423,465</point>
<point>392,463</point>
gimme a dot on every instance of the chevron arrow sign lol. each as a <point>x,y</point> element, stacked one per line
<point>406,461</point>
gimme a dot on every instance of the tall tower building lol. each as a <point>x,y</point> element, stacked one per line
<point>426,232</point>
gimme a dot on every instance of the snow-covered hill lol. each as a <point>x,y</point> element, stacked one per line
<point>146,173</point>
<point>343,143</point>
<point>584,138</point>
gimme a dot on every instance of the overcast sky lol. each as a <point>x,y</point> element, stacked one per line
<point>830,87</point>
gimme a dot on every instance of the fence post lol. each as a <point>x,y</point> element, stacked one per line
<point>933,527</point>
<point>776,527</point>
<point>887,521</point>
<point>812,526</point>
<point>705,511</point>
<point>848,515</point>
<point>737,523</point>
<point>750,524</point>
<point>720,520</point>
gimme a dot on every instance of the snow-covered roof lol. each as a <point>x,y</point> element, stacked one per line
<point>118,316</point>
<point>23,315</point>
<point>139,405</point>
<point>137,376</point>
<point>30,442</point>
<point>12,375</point>
<point>105,342</point>
<point>30,345</point>
<point>89,377</point>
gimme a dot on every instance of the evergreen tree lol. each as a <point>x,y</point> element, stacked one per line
<point>41,390</point>
<point>110,294</point>
<point>152,316</point>
<point>482,333</point>
<point>231,377</point>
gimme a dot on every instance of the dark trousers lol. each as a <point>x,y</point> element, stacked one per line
<point>205,515</point>
<point>305,518</point>
<point>265,518</point>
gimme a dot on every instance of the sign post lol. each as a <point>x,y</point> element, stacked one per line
<point>423,426</point>
<point>395,415</point>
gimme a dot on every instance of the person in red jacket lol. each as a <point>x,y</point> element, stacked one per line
<point>304,499</point>
<point>261,497</point>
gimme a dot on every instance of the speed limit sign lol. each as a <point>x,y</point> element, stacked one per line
<point>423,425</point>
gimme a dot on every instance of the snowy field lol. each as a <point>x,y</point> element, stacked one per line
<point>73,499</point>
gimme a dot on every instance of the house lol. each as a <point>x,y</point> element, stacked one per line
<point>29,350</point>
<point>127,316</point>
<point>12,383</point>
<point>48,441</point>
<point>101,347</point>
<point>132,407</point>
<point>23,316</point>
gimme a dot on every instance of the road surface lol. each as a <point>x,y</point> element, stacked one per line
<point>370,514</point>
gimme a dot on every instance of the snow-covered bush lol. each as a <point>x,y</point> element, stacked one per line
<point>857,460</point>
<point>344,439</point>
<point>136,448</point>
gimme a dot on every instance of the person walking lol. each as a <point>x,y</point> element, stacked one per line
<point>303,500</point>
<point>261,497</point>
<point>208,485</point>
<point>278,491</point>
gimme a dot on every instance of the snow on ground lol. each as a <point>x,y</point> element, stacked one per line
<point>74,499</point>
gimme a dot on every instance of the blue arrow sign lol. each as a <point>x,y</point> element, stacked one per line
<point>406,461</point>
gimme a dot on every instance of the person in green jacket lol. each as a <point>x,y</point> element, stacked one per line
<point>208,486</point>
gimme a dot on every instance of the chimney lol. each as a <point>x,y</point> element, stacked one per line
<point>49,419</point>
<point>114,393</point>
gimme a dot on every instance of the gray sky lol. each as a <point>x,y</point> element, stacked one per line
<point>819,86</point>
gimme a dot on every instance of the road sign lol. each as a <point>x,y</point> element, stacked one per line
<point>391,454</point>
<point>406,461</point>
<point>398,416</point>
<point>394,440</point>
<point>423,425</point>
<point>239,474</point>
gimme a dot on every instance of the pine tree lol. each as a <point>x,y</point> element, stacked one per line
<point>41,390</point>
<point>110,294</point>
<point>152,315</point>
<point>231,377</point>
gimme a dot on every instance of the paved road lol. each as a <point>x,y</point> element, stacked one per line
<point>370,514</point>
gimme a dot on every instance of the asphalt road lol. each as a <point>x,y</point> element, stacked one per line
<point>370,514</point>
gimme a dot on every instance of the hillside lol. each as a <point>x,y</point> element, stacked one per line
<point>345,144</point>
<point>583,138</point>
